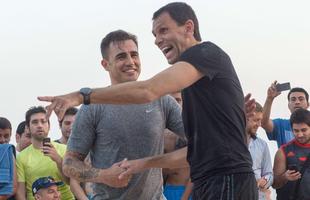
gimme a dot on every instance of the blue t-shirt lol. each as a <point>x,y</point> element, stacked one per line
<point>282,131</point>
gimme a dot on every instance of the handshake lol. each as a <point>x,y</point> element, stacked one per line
<point>119,174</point>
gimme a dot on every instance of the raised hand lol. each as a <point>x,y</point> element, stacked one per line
<point>249,106</point>
<point>61,103</point>
<point>272,91</point>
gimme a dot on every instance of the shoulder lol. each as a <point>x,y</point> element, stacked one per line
<point>59,145</point>
<point>281,121</point>
<point>24,153</point>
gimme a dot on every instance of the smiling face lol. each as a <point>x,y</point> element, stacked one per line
<point>301,132</point>
<point>254,123</point>
<point>172,39</point>
<point>122,62</point>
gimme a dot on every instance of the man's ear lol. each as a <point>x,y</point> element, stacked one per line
<point>17,138</point>
<point>105,64</point>
<point>189,27</point>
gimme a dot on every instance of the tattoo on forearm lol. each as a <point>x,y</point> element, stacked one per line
<point>76,168</point>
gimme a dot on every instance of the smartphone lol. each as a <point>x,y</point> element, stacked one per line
<point>46,140</point>
<point>293,167</point>
<point>283,86</point>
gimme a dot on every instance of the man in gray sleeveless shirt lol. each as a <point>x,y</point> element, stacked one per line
<point>111,133</point>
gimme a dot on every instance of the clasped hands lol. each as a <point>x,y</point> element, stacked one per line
<point>119,174</point>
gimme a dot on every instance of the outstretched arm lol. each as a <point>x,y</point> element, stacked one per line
<point>175,78</point>
<point>175,159</point>
<point>74,167</point>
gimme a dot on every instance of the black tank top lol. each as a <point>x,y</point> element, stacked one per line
<point>296,154</point>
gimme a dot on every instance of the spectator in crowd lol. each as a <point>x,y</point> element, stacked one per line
<point>37,160</point>
<point>292,161</point>
<point>177,184</point>
<point>260,154</point>
<point>23,137</point>
<point>46,188</point>
<point>66,125</point>
<point>8,182</point>
<point>280,129</point>
<point>5,130</point>
<point>213,108</point>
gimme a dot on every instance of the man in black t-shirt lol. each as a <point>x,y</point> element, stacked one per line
<point>213,108</point>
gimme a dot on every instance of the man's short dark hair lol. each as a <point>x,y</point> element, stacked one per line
<point>180,12</point>
<point>5,123</point>
<point>69,111</point>
<point>34,110</point>
<point>300,116</point>
<point>115,36</point>
<point>21,128</point>
<point>298,89</point>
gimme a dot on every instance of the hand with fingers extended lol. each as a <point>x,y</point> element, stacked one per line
<point>132,167</point>
<point>61,103</point>
<point>249,106</point>
<point>272,91</point>
<point>111,176</point>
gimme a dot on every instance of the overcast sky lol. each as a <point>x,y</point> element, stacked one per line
<point>52,47</point>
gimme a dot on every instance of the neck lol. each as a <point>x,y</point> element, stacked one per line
<point>248,137</point>
<point>18,148</point>
<point>63,140</point>
<point>37,144</point>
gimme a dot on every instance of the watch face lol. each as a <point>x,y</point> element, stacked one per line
<point>85,91</point>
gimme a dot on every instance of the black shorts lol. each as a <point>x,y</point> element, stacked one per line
<point>241,186</point>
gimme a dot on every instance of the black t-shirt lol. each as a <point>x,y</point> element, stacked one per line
<point>213,115</point>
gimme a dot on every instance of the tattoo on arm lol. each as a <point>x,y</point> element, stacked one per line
<point>75,167</point>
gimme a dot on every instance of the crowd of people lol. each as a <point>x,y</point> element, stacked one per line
<point>186,133</point>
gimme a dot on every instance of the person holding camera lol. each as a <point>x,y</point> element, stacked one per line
<point>280,129</point>
<point>292,161</point>
<point>42,158</point>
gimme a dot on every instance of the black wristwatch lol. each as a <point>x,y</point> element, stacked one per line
<point>85,92</point>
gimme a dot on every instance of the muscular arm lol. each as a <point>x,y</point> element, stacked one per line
<point>74,167</point>
<point>279,169</point>
<point>167,81</point>
<point>175,159</point>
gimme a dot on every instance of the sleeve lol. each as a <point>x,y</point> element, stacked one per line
<point>20,169</point>
<point>275,132</point>
<point>206,58</point>
<point>267,166</point>
<point>83,130</point>
<point>173,116</point>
